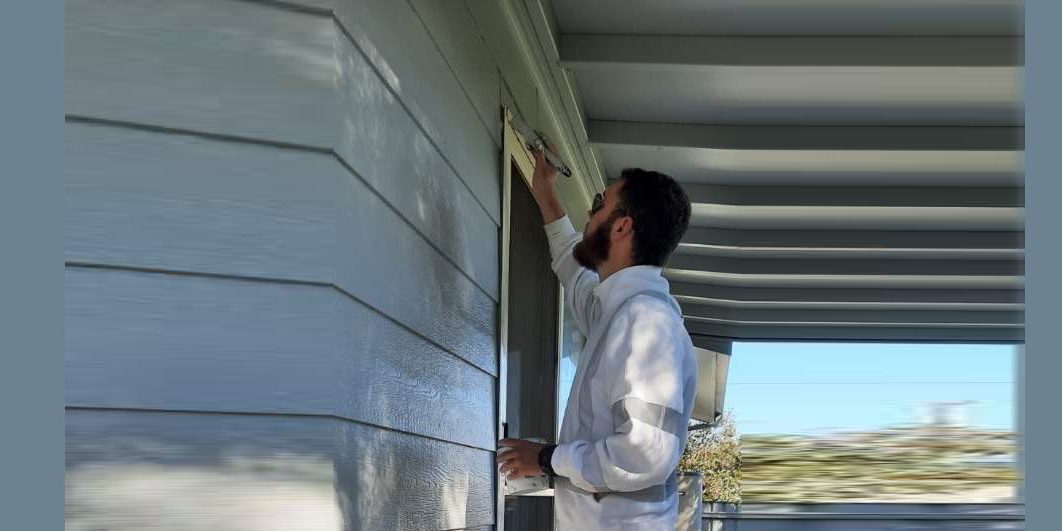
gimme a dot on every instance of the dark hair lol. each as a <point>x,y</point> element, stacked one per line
<point>661,213</point>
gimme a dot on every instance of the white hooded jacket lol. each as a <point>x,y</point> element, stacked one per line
<point>625,423</point>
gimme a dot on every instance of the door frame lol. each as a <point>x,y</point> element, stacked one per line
<point>514,153</point>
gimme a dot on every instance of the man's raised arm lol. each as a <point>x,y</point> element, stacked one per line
<point>578,281</point>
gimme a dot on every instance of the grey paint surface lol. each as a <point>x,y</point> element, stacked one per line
<point>138,470</point>
<point>1009,241</point>
<point>300,81</point>
<point>129,471</point>
<point>821,168</point>
<point>144,340</point>
<point>153,200</point>
<point>833,331</point>
<point>395,41</point>
<point>822,123</point>
<point>806,95</point>
<point>173,64</point>
<point>858,316</point>
<point>792,17</point>
<point>871,265</point>
<point>453,30</point>
<point>404,165</point>
<point>389,480</point>
<point>874,135</point>
<point>490,22</point>
<point>665,52</point>
<point>282,228</point>
<point>850,294</point>
<point>820,252</point>
<point>848,217</point>
<point>995,196</point>
<point>755,280</point>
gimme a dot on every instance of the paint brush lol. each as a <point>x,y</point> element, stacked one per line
<point>537,140</point>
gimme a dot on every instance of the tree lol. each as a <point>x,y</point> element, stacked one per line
<point>716,454</point>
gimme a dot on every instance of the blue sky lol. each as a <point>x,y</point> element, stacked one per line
<point>821,387</point>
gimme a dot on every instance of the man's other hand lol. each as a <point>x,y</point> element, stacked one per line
<point>521,461</point>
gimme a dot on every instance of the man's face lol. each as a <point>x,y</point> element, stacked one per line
<point>597,240</point>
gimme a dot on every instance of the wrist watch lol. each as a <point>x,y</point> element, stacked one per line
<point>545,459</point>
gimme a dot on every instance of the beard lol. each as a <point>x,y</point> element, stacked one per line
<point>593,250</point>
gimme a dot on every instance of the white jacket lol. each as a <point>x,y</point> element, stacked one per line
<point>625,423</point>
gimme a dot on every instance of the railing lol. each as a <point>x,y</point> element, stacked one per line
<point>863,516</point>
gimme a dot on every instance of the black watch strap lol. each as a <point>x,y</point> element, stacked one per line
<point>545,459</point>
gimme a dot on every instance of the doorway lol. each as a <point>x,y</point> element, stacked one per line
<point>530,318</point>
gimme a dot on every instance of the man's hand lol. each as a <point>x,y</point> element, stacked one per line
<point>542,183</point>
<point>545,174</point>
<point>521,461</point>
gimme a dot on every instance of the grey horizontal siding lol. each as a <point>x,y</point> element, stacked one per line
<point>131,470</point>
<point>271,73</point>
<point>453,30</point>
<point>259,72</point>
<point>145,340</point>
<point>150,199</point>
<point>282,265</point>
<point>492,25</point>
<point>242,68</point>
<point>154,200</point>
<point>389,480</point>
<point>396,42</point>
<point>393,378</point>
<point>387,149</point>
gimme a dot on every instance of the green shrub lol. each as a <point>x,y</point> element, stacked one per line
<point>716,454</point>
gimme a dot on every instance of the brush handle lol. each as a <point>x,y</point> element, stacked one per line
<point>554,160</point>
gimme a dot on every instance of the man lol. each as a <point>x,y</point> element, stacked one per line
<point>625,423</point>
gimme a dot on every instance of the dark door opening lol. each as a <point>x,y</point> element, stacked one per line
<point>531,372</point>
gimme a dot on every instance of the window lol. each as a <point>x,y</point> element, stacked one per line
<point>571,347</point>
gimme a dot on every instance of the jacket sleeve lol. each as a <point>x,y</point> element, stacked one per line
<point>578,281</point>
<point>644,371</point>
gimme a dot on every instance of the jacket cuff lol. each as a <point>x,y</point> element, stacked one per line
<point>563,461</point>
<point>559,233</point>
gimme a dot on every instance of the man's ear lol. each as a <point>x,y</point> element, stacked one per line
<point>623,226</point>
